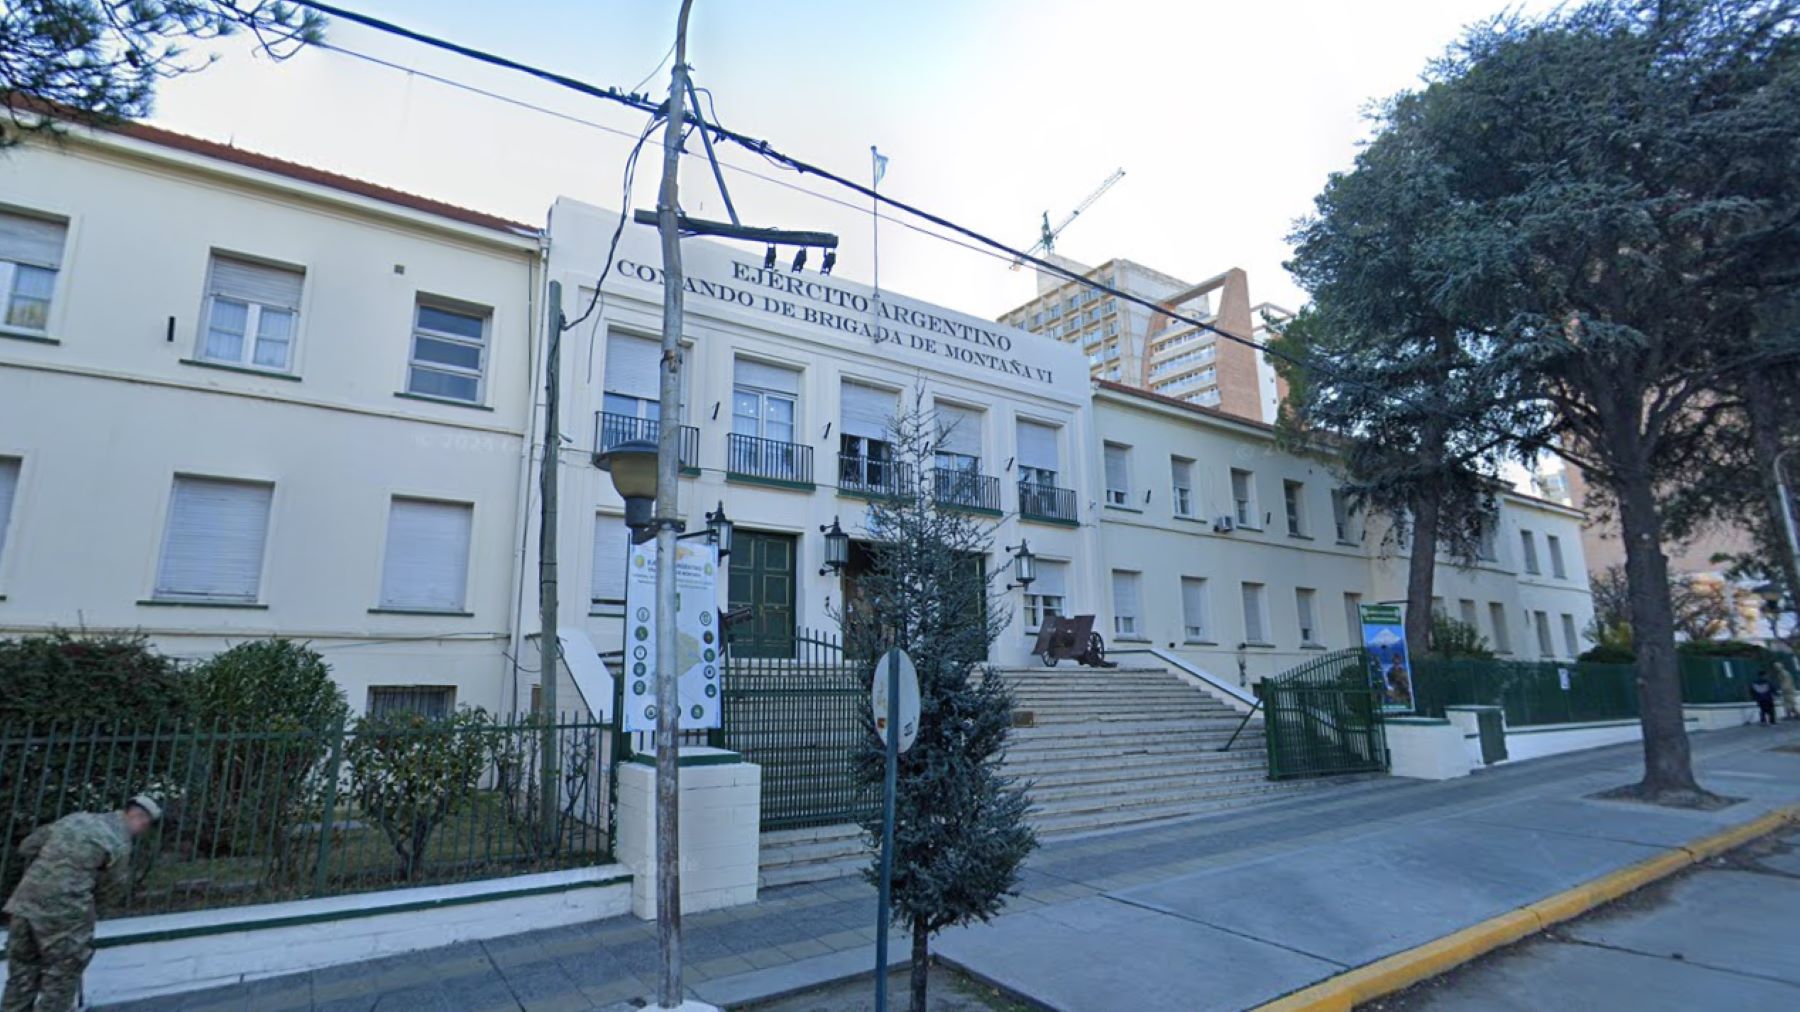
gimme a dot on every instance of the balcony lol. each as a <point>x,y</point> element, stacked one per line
<point>968,490</point>
<point>768,461</point>
<point>871,476</point>
<point>610,430</point>
<point>1046,503</point>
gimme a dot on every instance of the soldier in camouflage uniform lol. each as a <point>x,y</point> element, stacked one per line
<point>50,936</point>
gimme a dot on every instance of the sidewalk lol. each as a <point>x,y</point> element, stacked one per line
<point>1221,913</point>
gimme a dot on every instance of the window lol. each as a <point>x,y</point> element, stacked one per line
<point>1047,597</point>
<point>1542,622</point>
<point>1529,547</point>
<point>433,702</point>
<point>1554,544</point>
<point>1194,626</point>
<point>1305,599</point>
<point>1497,620</point>
<point>1570,639</point>
<point>449,353</point>
<point>612,541</point>
<point>959,439</point>
<point>866,454</point>
<point>1466,612</point>
<point>1243,494</point>
<point>252,310</point>
<point>1353,618</point>
<point>765,404</point>
<point>1256,626</point>
<point>1437,608</point>
<point>30,255</point>
<point>9,489</point>
<point>1037,453</point>
<point>426,567</point>
<point>1118,475</point>
<point>1125,604</point>
<point>1181,482</point>
<point>213,541</point>
<point>1343,521</point>
<point>633,387</point>
<point>1293,497</point>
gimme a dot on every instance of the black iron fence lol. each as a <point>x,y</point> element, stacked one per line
<point>755,457</point>
<point>799,709</point>
<point>1046,502</point>
<point>1323,718</point>
<point>612,429</point>
<point>969,490</point>
<point>872,476</point>
<point>254,816</point>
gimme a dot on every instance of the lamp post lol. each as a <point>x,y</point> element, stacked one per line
<point>632,465</point>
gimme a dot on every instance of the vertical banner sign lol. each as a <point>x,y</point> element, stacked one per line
<point>1390,670</point>
<point>696,635</point>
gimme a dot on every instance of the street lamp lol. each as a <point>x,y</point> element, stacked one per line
<point>721,528</point>
<point>632,465</point>
<point>1024,566</point>
<point>837,549</point>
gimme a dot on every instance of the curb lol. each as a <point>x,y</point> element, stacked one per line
<point>1403,969</point>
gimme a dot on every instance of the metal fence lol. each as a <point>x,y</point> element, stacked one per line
<point>1569,692</point>
<point>797,708</point>
<point>255,816</point>
<point>1323,718</point>
<point>1720,679</point>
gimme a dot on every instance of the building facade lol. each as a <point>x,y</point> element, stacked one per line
<point>242,398</point>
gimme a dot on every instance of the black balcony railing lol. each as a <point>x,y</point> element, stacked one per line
<point>755,457</point>
<point>966,489</point>
<point>1046,502</point>
<point>871,476</point>
<point>610,430</point>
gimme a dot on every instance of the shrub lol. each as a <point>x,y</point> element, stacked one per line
<point>1454,640</point>
<point>409,773</point>
<point>1720,648</point>
<point>76,678</point>
<point>1608,653</point>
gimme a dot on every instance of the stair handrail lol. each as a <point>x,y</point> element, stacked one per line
<point>1241,695</point>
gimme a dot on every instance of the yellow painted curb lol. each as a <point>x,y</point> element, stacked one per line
<point>1403,969</point>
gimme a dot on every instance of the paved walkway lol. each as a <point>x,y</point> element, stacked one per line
<point>1719,936</point>
<point>1220,913</point>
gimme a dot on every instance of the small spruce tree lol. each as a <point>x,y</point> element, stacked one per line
<point>960,835</point>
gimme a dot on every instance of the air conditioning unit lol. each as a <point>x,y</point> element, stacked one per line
<point>1224,522</point>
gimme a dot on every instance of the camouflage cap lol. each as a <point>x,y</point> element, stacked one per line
<point>149,805</point>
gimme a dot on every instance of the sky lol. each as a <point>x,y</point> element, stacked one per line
<point>1227,118</point>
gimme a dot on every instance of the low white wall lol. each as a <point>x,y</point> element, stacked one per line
<point>1718,716</point>
<point>1554,739</point>
<point>142,957</point>
<point>1428,748</point>
<point>721,830</point>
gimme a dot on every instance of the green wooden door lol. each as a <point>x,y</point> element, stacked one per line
<point>763,578</point>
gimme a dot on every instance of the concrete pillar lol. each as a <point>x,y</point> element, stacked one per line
<point>1428,748</point>
<point>721,825</point>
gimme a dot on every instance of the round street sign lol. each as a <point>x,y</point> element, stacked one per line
<point>909,698</point>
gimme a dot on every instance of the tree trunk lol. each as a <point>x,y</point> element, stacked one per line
<point>1765,443</point>
<point>1421,570</point>
<point>921,963</point>
<point>1668,769</point>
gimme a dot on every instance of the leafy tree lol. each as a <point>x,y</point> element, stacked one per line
<point>1623,184</point>
<point>1398,387</point>
<point>101,60</point>
<point>960,834</point>
<point>409,773</point>
<point>1453,639</point>
<point>1611,624</point>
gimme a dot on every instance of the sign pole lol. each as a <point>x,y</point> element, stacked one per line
<point>884,908</point>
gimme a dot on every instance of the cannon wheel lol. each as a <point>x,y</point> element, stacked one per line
<point>1050,658</point>
<point>1096,651</point>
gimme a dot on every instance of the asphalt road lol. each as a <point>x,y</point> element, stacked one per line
<point>1725,935</point>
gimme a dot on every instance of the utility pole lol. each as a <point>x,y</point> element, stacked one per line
<point>668,487</point>
<point>547,604</point>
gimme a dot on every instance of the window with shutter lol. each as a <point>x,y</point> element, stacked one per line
<point>1554,545</point>
<point>1353,618</point>
<point>1243,496</point>
<point>1048,594</point>
<point>433,702</point>
<point>1293,497</point>
<point>1126,620</point>
<point>633,375</point>
<point>1038,458</point>
<point>1118,475</point>
<point>1181,480</point>
<point>1530,548</point>
<point>1256,629</point>
<point>252,313</point>
<point>213,540</point>
<point>1570,638</point>
<point>1304,599</point>
<point>612,542</point>
<point>31,251</point>
<point>1542,621</point>
<point>9,489</point>
<point>1497,622</point>
<point>449,352</point>
<point>1193,610</point>
<point>427,562</point>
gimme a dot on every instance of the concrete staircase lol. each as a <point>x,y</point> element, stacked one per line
<point>1101,749</point>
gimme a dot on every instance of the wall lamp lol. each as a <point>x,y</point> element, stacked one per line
<point>1024,566</point>
<point>837,549</point>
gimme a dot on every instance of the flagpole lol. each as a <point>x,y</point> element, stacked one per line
<point>877,168</point>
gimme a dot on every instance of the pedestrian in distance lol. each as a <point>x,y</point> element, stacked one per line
<point>1761,689</point>
<point>1784,681</point>
<point>50,934</point>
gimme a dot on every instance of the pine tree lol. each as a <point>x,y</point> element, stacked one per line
<point>960,835</point>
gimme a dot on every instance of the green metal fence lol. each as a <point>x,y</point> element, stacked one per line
<point>797,708</point>
<point>1323,718</point>
<point>1720,679</point>
<point>1530,692</point>
<point>256,816</point>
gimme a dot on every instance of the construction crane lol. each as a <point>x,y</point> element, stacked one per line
<point>1047,241</point>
